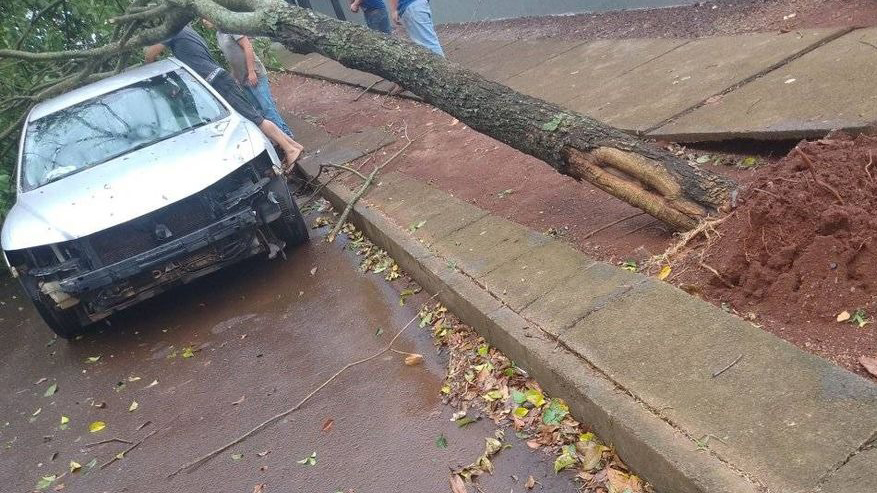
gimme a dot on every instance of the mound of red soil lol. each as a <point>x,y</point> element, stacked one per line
<point>802,248</point>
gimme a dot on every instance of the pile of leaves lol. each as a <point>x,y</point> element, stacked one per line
<point>481,381</point>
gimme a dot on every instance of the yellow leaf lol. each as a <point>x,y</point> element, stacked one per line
<point>446,389</point>
<point>843,316</point>
<point>521,411</point>
<point>96,426</point>
<point>665,272</point>
<point>133,407</point>
<point>75,466</point>
<point>413,359</point>
<point>64,420</point>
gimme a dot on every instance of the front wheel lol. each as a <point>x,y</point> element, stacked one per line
<point>290,226</point>
<point>65,323</point>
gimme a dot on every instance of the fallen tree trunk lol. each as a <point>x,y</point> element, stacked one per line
<point>670,189</point>
<point>661,184</point>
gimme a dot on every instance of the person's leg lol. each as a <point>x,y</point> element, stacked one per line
<point>418,22</point>
<point>291,148</point>
<point>378,19</point>
<point>262,93</point>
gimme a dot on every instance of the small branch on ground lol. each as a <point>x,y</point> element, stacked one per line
<point>723,370</point>
<point>201,460</point>
<point>121,455</point>
<point>816,178</point>
<point>613,223</point>
<point>367,89</point>
<point>109,440</point>
<point>714,272</point>
<point>868,166</point>
<point>364,188</point>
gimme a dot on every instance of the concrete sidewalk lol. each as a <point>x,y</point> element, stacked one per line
<point>761,85</point>
<point>635,357</point>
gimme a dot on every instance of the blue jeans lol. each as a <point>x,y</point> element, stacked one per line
<point>418,22</point>
<point>378,19</point>
<point>262,94</point>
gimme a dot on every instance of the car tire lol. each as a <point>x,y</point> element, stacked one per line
<point>65,323</point>
<point>290,226</point>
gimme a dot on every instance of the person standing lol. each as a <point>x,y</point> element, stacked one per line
<point>375,13</point>
<point>249,71</point>
<point>190,48</point>
<point>416,16</point>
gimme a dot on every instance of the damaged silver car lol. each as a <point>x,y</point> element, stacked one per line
<point>135,184</point>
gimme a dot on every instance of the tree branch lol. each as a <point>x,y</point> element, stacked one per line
<point>33,21</point>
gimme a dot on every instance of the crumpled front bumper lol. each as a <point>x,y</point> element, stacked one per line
<point>159,256</point>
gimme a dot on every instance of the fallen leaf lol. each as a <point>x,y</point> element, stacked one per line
<point>328,424</point>
<point>100,405</point>
<point>843,316</point>
<point>59,487</point>
<point>237,456</point>
<point>555,413</point>
<point>749,162</point>
<point>870,364</point>
<point>45,482</point>
<point>533,444</point>
<point>75,466</point>
<point>531,483</point>
<point>64,420</point>
<point>188,352</point>
<point>441,441</point>
<point>259,488</point>
<point>457,484</point>
<point>263,453</point>
<point>310,460</point>
<point>153,384</point>
<point>665,272</point>
<point>493,395</point>
<point>313,271</point>
<point>96,426</point>
<point>239,401</point>
<point>465,421</point>
<point>565,460</point>
<point>379,331</point>
<point>592,455</point>
<point>92,359</point>
<point>535,397</point>
<point>703,159</point>
<point>133,407</point>
<point>51,390</point>
<point>521,411</point>
<point>133,379</point>
<point>413,359</point>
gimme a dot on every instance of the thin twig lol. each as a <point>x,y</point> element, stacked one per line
<point>613,223</point>
<point>279,416</point>
<point>132,447</point>
<point>716,273</point>
<point>723,370</point>
<point>769,193</point>
<point>109,440</point>
<point>371,177</point>
<point>345,168</point>
<point>367,89</point>
<point>819,182</point>
<point>868,166</point>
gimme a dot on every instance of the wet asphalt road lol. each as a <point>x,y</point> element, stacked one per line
<point>267,332</point>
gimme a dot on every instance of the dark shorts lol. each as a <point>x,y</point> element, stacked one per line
<point>229,89</point>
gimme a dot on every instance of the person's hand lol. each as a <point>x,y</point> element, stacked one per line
<point>354,6</point>
<point>395,16</point>
<point>252,79</point>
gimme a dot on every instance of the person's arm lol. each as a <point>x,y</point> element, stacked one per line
<point>354,6</point>
<point>252,79</point>
<point>394,11</point>
<point>150,53</point>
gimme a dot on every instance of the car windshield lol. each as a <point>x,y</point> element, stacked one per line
<point>97,130</point>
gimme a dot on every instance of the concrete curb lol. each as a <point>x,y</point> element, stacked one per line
<point>651,446</point>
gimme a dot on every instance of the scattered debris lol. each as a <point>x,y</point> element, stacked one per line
<point>310,460</point>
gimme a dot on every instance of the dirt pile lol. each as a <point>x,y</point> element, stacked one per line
<point>802,245</point>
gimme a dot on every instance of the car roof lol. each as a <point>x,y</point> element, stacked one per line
<point>103,86</point>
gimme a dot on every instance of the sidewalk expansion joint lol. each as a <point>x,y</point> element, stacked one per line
<point>611,298</point>
<point>552,57</point>
<point>737,85</point>
<point>868,444</point>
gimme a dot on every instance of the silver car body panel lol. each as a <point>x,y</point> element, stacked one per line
<point>132,184</point>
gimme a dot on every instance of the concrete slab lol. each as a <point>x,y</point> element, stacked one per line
<point>466,53</point>
<point>689,75</point>
<point>346,148</point>
<point>332,70</point>
<point>519,56</point>
<point>859,475</point>
<point>306,133</point>
<point>307,65</point>
<point>585,291</point>
<point>488,243</point>
<point>829,88</point>
<point>588,66</point>
<point>520,282</point>
<point>786,416</point>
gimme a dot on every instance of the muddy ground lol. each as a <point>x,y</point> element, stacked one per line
<point>492,175</point>
<point>262,335</point>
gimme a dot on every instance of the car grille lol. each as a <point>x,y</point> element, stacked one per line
<point>139,235</point>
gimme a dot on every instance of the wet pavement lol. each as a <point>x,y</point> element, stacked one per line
<point>259,336</point>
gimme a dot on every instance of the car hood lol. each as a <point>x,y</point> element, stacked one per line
<point>131,185</point>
